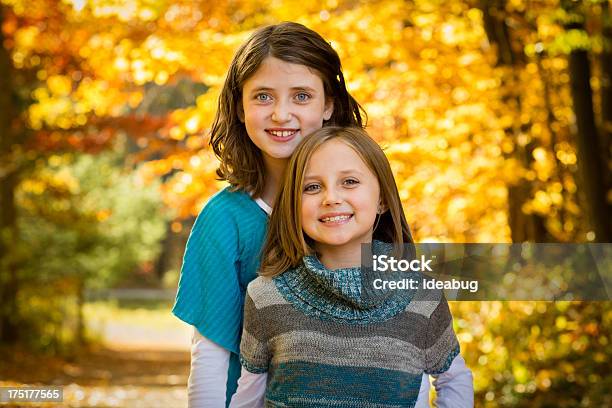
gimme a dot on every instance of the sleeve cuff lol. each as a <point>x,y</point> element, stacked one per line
<point>447,363</point>
<point>252,368</point>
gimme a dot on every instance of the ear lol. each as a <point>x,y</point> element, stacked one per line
<point>382,208</point>
<point>329,108</point>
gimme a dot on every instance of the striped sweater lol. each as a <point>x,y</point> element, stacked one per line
<point>325,343</point>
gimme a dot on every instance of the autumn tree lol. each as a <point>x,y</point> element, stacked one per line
<point>9,133</point>
<point>472,101</point>
<point>592,168</point>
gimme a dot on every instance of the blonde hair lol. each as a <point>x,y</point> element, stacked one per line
<point>286,244</point>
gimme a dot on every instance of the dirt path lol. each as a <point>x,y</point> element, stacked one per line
<point>107,377</point>
<point>138,366</point>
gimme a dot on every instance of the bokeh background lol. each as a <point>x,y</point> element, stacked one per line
<point>496,116</point>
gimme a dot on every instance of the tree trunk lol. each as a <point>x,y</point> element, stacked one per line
<point>9,283</point>
<point>163,259</point>
<point>606,95</point>
<point>80,329</point>
<point>590,167</point>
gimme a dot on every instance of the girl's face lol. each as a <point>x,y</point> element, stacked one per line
<point>340,198</point>
<point>283,102</point>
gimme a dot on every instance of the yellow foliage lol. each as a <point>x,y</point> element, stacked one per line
<point>424,71</point>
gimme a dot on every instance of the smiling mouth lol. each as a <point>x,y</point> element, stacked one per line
<point>337,219</point>
<point>282,134</point>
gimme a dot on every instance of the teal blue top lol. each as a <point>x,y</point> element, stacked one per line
<point>221,258</point>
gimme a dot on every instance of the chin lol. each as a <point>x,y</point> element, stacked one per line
<point>335,242</point>
<point>282,155</point>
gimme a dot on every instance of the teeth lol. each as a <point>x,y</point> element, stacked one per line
<point>336,218</point>
<point>282,133</point>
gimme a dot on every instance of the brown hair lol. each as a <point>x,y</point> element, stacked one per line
<point>285,243</point>
<point>241,161</point>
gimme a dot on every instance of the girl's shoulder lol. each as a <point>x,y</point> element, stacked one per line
<point>230,202</point>
<point>425,302</point>
<point>227,216</point>
<point>263,292</point>
<point>229,197</point>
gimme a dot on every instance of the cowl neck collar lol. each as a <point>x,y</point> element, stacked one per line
<point>339,294</point>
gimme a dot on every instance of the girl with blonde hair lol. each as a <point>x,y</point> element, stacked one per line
<point>314,335</point>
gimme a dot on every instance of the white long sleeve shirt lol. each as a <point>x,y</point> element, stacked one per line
<point>208,377</point>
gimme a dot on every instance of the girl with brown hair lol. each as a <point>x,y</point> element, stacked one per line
<point>284,82</point>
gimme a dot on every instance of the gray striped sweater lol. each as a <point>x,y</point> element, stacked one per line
<point>325,343</point>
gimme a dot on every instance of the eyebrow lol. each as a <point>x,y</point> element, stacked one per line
<point>343,172</point>
<point>295,88</point>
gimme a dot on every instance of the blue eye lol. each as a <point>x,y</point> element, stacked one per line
<point>262,97</point>
<point>302,97</point>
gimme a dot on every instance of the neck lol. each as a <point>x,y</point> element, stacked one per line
<point>274,173</point>
<point>343,256</point>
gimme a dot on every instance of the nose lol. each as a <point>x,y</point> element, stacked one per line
<point>332,197</point>
<point>281,113</point>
